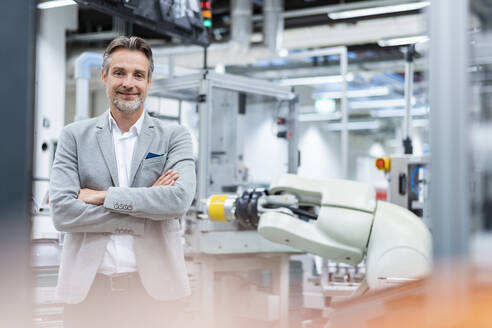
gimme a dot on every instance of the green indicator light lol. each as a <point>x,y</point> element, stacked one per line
<point>207,23</point>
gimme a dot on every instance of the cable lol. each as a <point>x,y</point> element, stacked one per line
<point>413,186</point>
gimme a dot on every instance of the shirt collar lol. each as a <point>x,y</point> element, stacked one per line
<point>136,128</point>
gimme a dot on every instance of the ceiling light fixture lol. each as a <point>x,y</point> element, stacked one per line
<point>386,103</point>
<point>403,40</point>
<point>55,4</point>
<point>354,126</point>
<point>371,92</point>
<point>378,10</point>
<point>283,52</point>
<point>317,80</point>
<point>385,113</point>
<point>316,117</point>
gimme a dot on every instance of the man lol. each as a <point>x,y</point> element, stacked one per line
<point>119,184</point>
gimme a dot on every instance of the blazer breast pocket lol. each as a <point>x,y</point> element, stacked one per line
<point>154,160</point>
<point>151,170</point>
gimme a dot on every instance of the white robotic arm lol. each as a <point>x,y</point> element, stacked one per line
<point>350,223</point>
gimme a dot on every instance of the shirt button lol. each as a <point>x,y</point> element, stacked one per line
<point>125,207</point>
<point>130,207</point>
<point>115,206</point>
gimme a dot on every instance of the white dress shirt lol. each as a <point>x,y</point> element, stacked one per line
<point>120,256</point>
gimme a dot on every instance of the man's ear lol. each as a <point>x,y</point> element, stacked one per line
<point>150,82</point>
<point>103,76</point>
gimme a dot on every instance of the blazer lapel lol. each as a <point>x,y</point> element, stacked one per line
<point>105,141</point>
<point>143,143</point>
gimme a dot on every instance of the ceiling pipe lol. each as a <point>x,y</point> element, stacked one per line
<point>242,28</point>
<point>273,24</point>
<point>83,66</point>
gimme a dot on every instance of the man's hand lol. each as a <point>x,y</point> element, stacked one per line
<point>167,179</point>
<point>90,196</point>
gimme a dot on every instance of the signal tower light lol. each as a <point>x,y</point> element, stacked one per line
<point>207,13</point>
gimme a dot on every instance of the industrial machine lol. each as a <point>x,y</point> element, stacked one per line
<point>408,180</point>
<point>337,219</point>
<point>246,132</point>
<point>226,110</point>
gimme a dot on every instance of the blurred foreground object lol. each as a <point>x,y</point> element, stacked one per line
<point>459,299</point>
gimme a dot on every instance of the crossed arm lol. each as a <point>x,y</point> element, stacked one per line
<point>77,209</point>
<point>97,197</point>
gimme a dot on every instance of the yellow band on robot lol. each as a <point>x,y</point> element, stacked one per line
<point>216,210</point>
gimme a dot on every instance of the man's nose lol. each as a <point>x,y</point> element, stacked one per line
<point>128,82</point>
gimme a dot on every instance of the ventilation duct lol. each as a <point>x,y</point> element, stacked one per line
<point>273,24</point>
<point>242,13</point>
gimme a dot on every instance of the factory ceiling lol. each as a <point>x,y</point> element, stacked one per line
<point>96,28</point>
<point>300,18</point>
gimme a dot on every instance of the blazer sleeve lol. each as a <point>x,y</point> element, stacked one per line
<point>71,214</point>
<point>162,202</point>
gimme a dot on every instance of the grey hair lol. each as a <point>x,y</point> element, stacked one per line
<point>131,43</point>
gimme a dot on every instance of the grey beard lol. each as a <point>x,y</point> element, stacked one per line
<point>126,106</point>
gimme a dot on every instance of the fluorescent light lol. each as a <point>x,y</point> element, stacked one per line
<point>325,105</point>
<point>256,37</point>
<point>354,126</point>
<point>372,92</point>
<point>385,113</point>
<point>369,104</point>
<point>378,10</point>
<point>338,126</point>
<point>315,117</point>
<point>317,52</point>
<point>283,52</point>
<point>55,4</point>
<point>317,80</point>
<point>403,40</point>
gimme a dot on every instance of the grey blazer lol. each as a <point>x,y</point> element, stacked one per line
<point>85,158</point>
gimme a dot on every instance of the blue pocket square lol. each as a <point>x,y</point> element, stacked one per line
<point>152,155</point>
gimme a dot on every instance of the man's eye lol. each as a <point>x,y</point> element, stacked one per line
<point>139,75</point>
<point>118,73</point>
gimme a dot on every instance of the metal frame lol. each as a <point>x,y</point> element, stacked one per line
<point>205,112</point>
<point>342,52</point>
<point>224,81</point>
<point>216,242</point>
<point>344,112</point>
<point>204,82</point>
<point>293,151</point>
<point>409,76</point>
<point>277,263</point>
